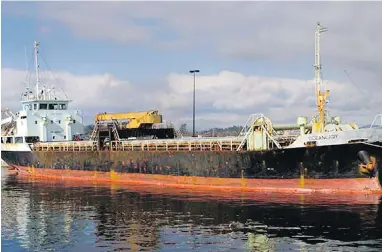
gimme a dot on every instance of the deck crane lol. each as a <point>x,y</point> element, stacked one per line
<point>130,124</point>
<point>143,119</point>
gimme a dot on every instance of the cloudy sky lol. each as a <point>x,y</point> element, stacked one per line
<point>254,57</point>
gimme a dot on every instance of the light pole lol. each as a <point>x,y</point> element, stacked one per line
<point>193,114</point>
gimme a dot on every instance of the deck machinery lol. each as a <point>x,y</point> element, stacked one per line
<point>131,125</point>
<point>146,130</point>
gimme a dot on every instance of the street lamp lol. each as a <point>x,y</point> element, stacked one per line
<point>193,114</point>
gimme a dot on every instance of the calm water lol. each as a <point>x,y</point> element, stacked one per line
<point>41,216</point>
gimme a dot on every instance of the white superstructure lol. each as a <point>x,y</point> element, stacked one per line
<point>44,116</point>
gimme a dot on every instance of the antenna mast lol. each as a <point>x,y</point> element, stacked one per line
<point>26,67</point>
<point>320,97</point>
<point>36,44</point>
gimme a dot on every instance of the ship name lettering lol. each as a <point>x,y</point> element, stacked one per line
<point>323,137</point>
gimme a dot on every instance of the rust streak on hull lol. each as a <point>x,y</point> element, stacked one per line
<point>349,186</point>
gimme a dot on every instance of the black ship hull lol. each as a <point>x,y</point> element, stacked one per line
<point>325,162</point>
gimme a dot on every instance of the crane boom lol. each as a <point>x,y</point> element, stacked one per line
<point>136,119</point>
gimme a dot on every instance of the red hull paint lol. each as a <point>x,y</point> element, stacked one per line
<point>194,194</point>
<point>349,186</point>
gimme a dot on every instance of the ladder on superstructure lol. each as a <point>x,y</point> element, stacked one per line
<point>94,134</point>
<point>115,130</point>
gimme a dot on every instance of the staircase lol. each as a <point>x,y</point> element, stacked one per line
<point>114,126</point>
<point>94,135</point>
<point>115,130</point>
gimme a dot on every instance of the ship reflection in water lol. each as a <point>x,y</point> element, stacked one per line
<point>43,215</point>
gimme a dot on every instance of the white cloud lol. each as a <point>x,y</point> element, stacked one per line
<point>254,30</point>
<point>234,94</point>
<point>269,31</point>
<point>224,99</point>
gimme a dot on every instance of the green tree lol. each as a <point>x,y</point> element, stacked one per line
<point>183,129</point>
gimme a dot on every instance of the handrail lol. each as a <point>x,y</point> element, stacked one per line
<point>270,137</point>
<point>247,128</point>
<point>250,121</point>
<point>179,140</point>
<point>66,143</point>
<point>375,119</point>
<point>66,146</point>
<point>212,144</point>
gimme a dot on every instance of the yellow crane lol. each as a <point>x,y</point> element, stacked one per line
<point>141,119</point>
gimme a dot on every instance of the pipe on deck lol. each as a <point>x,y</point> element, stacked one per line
<point>290,126</point>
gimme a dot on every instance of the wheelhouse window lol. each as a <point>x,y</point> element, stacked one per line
<point>9,140</point>
<point>54,106</point>
<point>43,106</point>
<point>18,139</point>
<point>35,106</point>
<point>62,106</point>
<point>32,139</point>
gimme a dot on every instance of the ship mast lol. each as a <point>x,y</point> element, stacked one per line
<point>36,44</point>
<point>26,68</point>
<point>320,97</point>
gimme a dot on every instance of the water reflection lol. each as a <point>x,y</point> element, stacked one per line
<point>39,215</point>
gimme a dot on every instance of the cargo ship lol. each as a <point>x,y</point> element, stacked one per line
<point>322,155</point>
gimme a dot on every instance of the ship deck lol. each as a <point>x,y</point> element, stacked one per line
<point>181,144</point>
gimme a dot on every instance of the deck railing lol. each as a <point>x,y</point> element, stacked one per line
<point>66,146</point>
<point>207,144</point>
<point>185,144</point>
<point>377,122</point>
